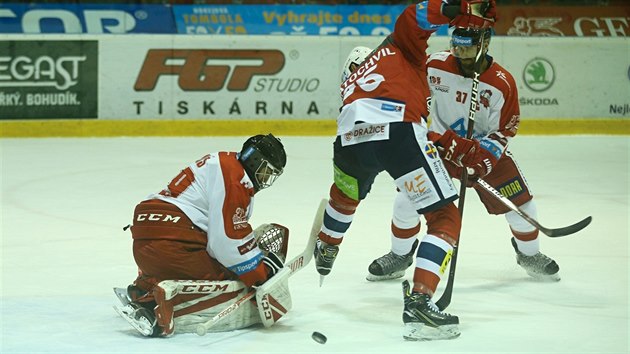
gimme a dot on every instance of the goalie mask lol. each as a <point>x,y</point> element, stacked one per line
<point>466,42</point>
<point>355,58</point>
<point>263,158</point>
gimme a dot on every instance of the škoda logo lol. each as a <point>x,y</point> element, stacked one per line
<point>196,73</point>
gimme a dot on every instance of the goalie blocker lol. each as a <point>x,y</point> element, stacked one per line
<point>180,306</point>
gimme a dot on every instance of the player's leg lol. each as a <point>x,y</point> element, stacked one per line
<point>508,179</point>
<point>420,174</point>
<point>405,226</point>
<point>353,178</point>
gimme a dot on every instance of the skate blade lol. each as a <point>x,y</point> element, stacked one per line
<point>122,296</point>
<point>395,275</point>
<point>420,332</point>
<point>143,326</point>
<point>321,280</point>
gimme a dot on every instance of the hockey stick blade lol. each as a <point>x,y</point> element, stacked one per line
<point>559,232</point>
<point>568,230</point>
<point>296,263</point>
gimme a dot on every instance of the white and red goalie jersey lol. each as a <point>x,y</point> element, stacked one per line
<point>498,114</point>
<point>217,195</point>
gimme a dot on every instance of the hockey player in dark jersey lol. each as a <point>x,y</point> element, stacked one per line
<point>381,127</point>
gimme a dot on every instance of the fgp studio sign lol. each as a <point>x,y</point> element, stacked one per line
<point>48,79</point>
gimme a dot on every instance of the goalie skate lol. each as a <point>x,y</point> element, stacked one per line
<point>424,321</point>
<point>123,297</point>
<point>538,266</point>
<point>391,265</point>
<point>140,318</point>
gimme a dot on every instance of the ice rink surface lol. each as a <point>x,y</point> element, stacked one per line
<point>65,201</point>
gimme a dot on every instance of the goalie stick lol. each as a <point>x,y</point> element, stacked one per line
<point>291,267</point>
<point>445,300</point>
<point>559,232</point>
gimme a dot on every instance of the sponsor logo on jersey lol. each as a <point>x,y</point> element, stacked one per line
<point>247,246</point>
<point>539,74</point>
<point>366,132</point>
<point>417,184</point>
<point>512,188</point>
<point>431,151</point>
<point>391,107</point>
<point>491,146</point>
<point>246,266</point>
<point>436,83</point>
<point>239,219</point>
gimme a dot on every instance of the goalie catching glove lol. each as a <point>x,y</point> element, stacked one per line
<point>273,240</point>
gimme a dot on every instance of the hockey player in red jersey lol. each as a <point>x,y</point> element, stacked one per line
<point>496,123</point>
<point>197,229</point>
<point>382,127</point>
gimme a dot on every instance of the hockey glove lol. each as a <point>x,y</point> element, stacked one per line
<point>476,14</point>
<point>483,164</point>
<point>273,263</point>
<point>458,150</point>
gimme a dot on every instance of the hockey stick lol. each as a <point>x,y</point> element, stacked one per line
<point>291,267</point>
<point>445,299</point>
<point>559,232</point>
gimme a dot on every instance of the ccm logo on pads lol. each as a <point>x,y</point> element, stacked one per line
<point>158,217</point>
<point>196,74</point>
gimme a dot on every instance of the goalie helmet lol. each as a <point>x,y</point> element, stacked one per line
<point>355,58</point>
<point>465,42</point>
<point>263,158</point>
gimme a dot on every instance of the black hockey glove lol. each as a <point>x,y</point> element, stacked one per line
<point>273,263</point>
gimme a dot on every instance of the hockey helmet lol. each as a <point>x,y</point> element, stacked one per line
<point>466,42</point>
<point>355,58</point>
<point>263,158</point>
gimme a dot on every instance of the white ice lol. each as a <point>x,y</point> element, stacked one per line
<point>65,201</point>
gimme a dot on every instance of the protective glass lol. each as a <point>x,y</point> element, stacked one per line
<point>463,47</point>
<point>266,174</point>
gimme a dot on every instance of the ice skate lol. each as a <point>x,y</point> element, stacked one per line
<point>537,266</point>
<point>131,293</point>
<point>139,317</point>
<point>424,321</point>
<point>391,265</point>
<point>325,256</point>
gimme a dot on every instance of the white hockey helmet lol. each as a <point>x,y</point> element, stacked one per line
<point>355,58</point>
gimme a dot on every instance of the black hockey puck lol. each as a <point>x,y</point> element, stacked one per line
<point>319,338</point>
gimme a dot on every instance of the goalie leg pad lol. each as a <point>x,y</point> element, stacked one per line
<point>188,318</point>
<point>273,298</point>
<point>183,304</point>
